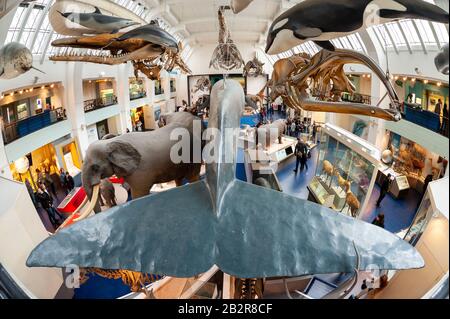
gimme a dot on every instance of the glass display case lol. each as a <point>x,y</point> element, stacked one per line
<point>346,171</point>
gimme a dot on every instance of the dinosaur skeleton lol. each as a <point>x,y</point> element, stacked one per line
<point>226,55</point>
<point>202,84</point>
<point>316,84</point>
<point>254,68</point>
<point>147,57</point>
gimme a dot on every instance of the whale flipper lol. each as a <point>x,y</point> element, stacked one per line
<point>169,233</point>
<point>327,45</point>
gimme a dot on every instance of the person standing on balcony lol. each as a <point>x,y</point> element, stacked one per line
<point>438,107</point>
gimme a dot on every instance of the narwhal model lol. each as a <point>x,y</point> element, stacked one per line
<point>324,20</point>
<point>15,59</point>
<point>246,230</point>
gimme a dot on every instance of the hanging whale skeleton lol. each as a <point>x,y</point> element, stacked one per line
<point>316,84</point>
<point>149,48</point>
<point>246,230</point>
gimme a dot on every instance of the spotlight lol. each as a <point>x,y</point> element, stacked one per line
<point>396,77</point>
<point>2,96</point>
<point>405,78</point>
<point>42,87</point>
<point>31,90</point>
<point>21,91</point>
<point>52,86</point>
<point>369,76</point>
<point>425,81</point>
<point>12,93</point>
<point>413,80</point>
<point>439,84</point>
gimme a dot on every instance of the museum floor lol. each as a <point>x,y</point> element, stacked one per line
<point>399,214</point>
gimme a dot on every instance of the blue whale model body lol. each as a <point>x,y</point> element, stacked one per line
<point>246,230</point>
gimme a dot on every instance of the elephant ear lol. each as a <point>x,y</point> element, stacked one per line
<point>124,158</point>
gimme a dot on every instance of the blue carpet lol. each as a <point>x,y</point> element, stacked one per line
<point>398,213</point>
<point>296,185</point>
<point>98,287</point>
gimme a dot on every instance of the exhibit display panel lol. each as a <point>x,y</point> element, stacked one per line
<point>346,171</point>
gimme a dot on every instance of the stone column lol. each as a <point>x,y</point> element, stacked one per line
<point>123,97</point>
<point>74,104</point>
<point>5,171</point>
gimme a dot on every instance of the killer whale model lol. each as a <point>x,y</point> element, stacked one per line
<point>323,20</point>
<point>246,230</point>
<point>99,21</point>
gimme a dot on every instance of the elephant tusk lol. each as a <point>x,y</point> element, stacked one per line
<point>91,204</point>
<point>70,217</point>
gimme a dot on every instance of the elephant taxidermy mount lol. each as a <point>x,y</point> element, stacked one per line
<point>316,84</point>
<point>149,48</point>
<point>142,159</point>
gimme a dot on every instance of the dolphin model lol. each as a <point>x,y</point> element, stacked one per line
<point>152,33</point>
<point>246,230</point>
<point>15,59</point>
<point>441,60</point>
<point>99,21</point>
<point>323,20</point>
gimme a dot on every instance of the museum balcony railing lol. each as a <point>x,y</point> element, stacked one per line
<point>345,96</point>
<point>137,95</point>
<point>16,130</point>
<point>99,103</point>
<point>429,120</point>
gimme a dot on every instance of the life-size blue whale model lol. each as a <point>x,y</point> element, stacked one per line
<point>323,20</point>
<point>246,230</point>
<point>99,21</point>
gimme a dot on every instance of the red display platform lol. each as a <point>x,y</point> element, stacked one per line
<point>73,201</point>
<point>116,180</point>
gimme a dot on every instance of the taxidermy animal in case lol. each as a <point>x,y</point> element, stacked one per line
<point>99,22</point>
<point>142,159</point>
<point>203,224</point>
<point>441,60</point>
<point>6,6</point>
<point>15,59</point>
<point>324,20</point>
<point>351,200</point>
